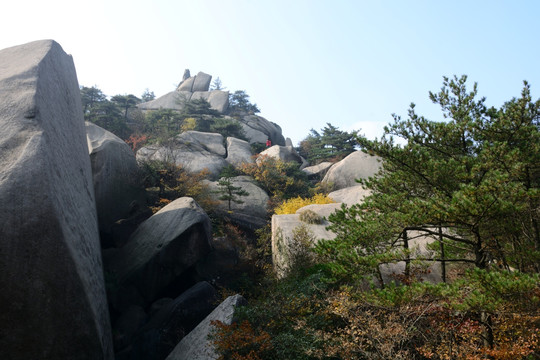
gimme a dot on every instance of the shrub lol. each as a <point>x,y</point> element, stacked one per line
<point>279,178</point>
<point>173,182</point>
<point>290,206</point>
<point>311,217</point>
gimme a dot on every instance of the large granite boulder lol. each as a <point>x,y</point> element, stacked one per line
<point>53,295</point>
<point>238,152</point>
<point>117,182</point>
<point>196,345</point>
<point>193,150</point>
<point>158,337</point>
<point>253,209</point>
<point>283,153</point>
<point>317,171</point>
<point>258,130</point>
<point>218,99</point>
<point>284,244</point>
<point>199,82</point>
<point>357,165</point>
<point>174,100</point>
<point>202,82</point>
<point>351,195</point>
<point>160,251</point>
<point>284,227</point>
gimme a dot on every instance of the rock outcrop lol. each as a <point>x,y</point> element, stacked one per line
<point>258,130</point>
<point>283,153</point>
<point>160,251</point>
<point>238,152</point>
<point>117,182</point>
<point>193,150</point>
<point>252,212</point>
<point>190,88</point>
<point>196,345</point>
<point>53,295</point>
<point>317,171</point>
<point>357,165</point>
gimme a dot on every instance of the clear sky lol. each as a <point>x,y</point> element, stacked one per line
<point>304,62</point>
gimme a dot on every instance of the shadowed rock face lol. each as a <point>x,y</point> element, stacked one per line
<point>162,249</point>
<point>53,297</point>
<point>117,182</point>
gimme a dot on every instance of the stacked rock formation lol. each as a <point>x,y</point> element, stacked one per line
<point>190,88</point>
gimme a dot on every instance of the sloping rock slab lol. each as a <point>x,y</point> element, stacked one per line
<point>53,302</point>
<point>317,171</point>
<point>350,195</point>
<point>196,345</point>
<point>283,153</point>
<point>173,100</point>
<point>357,165</point>
<point>162,248</point>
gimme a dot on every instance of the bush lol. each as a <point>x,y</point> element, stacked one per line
<point>311,217</point>
<point>172,182</point>
<point>280,179</point>
<point>290,206</point>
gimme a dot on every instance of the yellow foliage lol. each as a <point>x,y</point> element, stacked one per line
<point>290,206</point>
<point>189,124</point>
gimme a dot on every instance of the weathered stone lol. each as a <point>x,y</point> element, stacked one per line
<point>238,152</point>
<point>173,100</point>
<point>288,142</point>
<point>186,75</point>
<point>196,345</point>
<point>117,182</point>
<point>258,130</point>
<point>357,165</point>
<point>283,153</point>
<point>172,322</point>
<point>210,142</point>
<point>202,82</point>
<point>283,227</point>
<point>162,248</point>
<point>53,296</point>
<point>350,196</point>
<point>254,204</point>
<point>193,150</point>
<point>186,85</point>
<point>317,171</point>
<point>219,100</point>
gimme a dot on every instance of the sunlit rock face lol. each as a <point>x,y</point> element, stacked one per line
<point>53,295</point>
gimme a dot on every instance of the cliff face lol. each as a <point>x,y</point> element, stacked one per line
<point>53,294</point>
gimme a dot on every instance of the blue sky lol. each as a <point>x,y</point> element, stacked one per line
<point>305,63</point>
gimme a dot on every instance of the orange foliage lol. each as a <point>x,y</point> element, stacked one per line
<point>240,341</point>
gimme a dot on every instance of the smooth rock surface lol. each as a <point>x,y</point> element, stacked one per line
<point>193,150</point>
<point>318,170</point>
<point>202,82</point>
<point>52,299</point>
<point>162,248</point>
<point>351,195</point>
<point>258,130</point>
<point>254,204</point>
<point>196,345</point>
<point>357,165</point>
<point>117,182</point>
<point>283,153</point>
<point>238,152</point>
